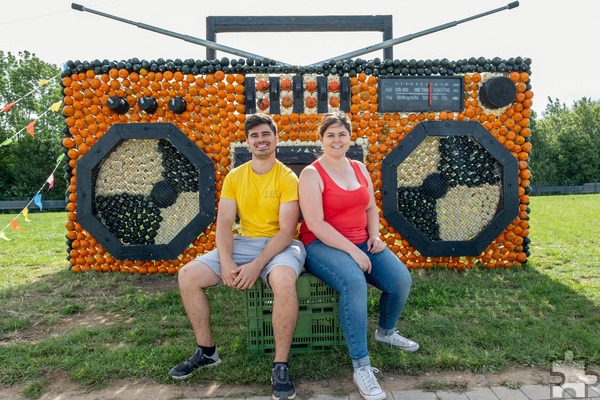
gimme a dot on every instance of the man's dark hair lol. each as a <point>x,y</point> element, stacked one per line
<point>253,120</point>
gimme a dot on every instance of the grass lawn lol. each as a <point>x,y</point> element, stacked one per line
<point>97,327</point>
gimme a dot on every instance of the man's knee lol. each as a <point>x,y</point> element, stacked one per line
<point>282,279</point>
<point>196,275</point>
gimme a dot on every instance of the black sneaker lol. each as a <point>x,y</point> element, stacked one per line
<point>283,388</point>
<point>197,360</point>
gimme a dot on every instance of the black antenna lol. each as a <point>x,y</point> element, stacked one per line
<point>392,42</point>
<point>187,38</point>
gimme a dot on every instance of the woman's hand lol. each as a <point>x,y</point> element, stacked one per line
<point>375,244</point>
<point>363,261</point>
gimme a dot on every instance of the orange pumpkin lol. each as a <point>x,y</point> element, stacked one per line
<point>287,101</point>
<point>311,86</point>
<point>285,84</point>
<point>262,104</point>
<point>262,86</point>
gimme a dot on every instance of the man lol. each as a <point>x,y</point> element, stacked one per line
<point>264,194</point>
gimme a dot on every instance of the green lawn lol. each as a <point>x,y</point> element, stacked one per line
<point>97,327</point>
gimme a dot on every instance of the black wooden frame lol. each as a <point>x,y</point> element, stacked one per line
<point>325,23</point>
<point>509,204</point>
<point>92,161</point>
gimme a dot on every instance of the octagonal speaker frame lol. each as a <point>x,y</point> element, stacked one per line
<point>137,207</point>
<point>471,142</point>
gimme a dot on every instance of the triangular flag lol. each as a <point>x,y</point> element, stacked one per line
<point>9,106</point>
<point>7,142</point>
<point>42,82</point>
<point>37,199</point>
<point>25,213</point>
<point>30,127</point>
<point>56,106</point>
<point>60,158</point>
<point>3,236</point>
<point>15,225</point>
<point>50,181</point>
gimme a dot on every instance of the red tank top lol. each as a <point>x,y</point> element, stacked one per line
<point>345,210</point>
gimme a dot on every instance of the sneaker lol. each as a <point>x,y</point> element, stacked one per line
<point>283,388</point>
<point>197,360</point>
<point>397,341</point>
<point>367,384</point>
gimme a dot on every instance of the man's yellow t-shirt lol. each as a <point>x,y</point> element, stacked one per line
<point>258,197</point>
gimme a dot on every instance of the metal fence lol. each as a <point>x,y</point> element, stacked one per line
<point>18,205</point>
<point>586,188</point>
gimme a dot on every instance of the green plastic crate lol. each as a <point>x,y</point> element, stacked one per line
<point>318,328</point>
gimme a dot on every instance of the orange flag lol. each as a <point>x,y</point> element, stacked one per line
<point>15,225</point>
<point>9,106</point>
<point>30,127</point>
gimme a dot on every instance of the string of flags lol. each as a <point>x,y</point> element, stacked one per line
<point>41,82</point>
<point>37,200</point>
<point>30,127</point>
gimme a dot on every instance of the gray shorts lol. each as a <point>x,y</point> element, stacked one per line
<point>246,250</point>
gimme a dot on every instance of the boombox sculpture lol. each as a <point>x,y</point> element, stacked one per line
<point>149,143</point>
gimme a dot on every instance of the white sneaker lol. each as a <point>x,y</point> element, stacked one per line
<point>367,384</point>
<point>397,341</point>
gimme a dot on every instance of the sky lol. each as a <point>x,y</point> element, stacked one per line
<point>559,37</point>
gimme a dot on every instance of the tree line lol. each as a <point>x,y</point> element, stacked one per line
<point>565,140</point>
<point>566,144</point>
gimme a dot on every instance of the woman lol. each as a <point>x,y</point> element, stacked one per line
<point>340,230</point>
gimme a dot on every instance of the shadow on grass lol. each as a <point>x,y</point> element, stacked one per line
<point>96,328</point>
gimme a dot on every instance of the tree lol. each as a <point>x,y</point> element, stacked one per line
<point>27,162</point>
<point>566,144</point>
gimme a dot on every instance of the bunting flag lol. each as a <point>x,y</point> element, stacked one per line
<point>15,225</point>
<point>25,213</point>
<point>56,106</point>
<point>3,236</point>
<point>30,127</point>
<point>50,181</point>
<point>9,106</point>
<point>37,199</point>
<point>41,82</point>
<point>6,142</point>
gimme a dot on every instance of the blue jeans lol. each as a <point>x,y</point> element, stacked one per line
<point>388,274</point>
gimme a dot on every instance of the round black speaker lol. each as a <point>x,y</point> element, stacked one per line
<point>145,191</point>
<point>450,188</point>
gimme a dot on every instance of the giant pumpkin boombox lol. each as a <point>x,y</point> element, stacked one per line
<point>149,143</point>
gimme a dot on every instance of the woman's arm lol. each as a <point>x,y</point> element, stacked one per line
<point>374,244</point>
<point>310,188</point>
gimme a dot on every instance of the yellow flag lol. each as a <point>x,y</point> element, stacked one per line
<point>56,106</point>
<point>42,82</point>
<point>25,213</point>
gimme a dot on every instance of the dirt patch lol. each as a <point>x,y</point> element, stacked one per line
<point>157,283</point>
<point>37,332</point>
<point>61,388</point>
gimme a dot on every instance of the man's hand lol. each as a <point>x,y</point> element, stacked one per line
<point>246,275</point>
<point>228,274</point>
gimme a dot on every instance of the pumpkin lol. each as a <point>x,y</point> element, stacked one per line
<point>285,84</point>
<point>311,102</point>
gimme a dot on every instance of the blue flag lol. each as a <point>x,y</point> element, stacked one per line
<point>37,199</point>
